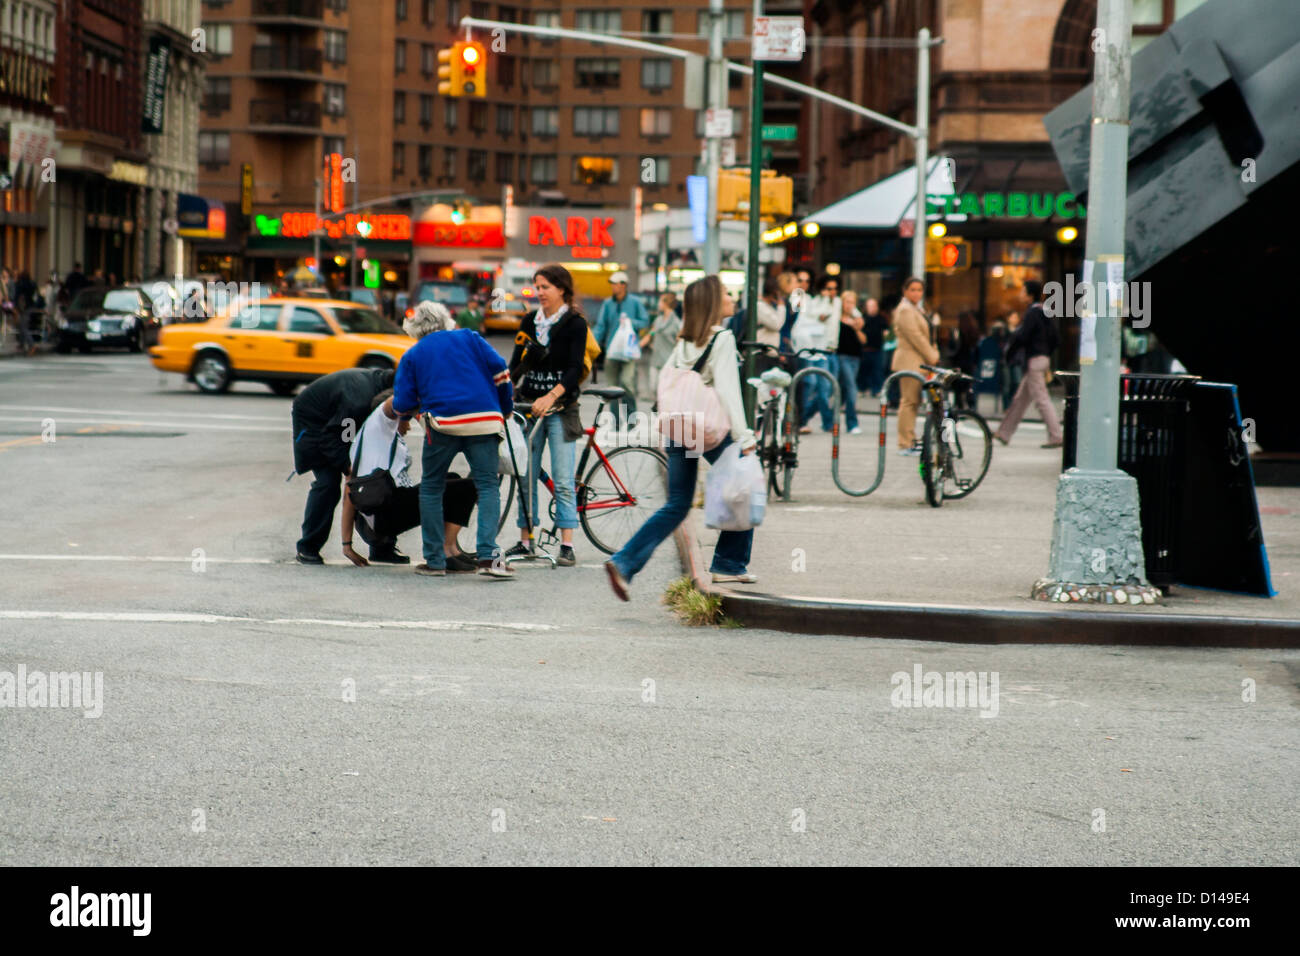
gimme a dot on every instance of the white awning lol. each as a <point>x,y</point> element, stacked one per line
<point>884,204</point>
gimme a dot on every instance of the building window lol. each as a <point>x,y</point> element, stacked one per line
<point>733,24</point>
<point>477,165</point>
<point>428,60</point>
<point>335,101</point>
<point>656,74</point>
<point>505,70</point>
<point>595,170</point>
<point>596,72</point>
<point>598,21</point>
<point>426,162</point>
<point>216,97</point>
<point>336,46</point>
<point>505,167</point>
<point>219,38</point>
<point>453,20</point>
<point>478,116</point>
<point>338,6</point>
<point>401,10</point>
<point>214,148</point>
<point>595,121</point>
<point>450,113</point>
<point>545,73</point>
<point>426,110</point>
<point>426,12</point>
<point>399,159</point>
<point>541,170</point>
<point>399,57</point>
<point>545,121</point>
<point>656,21</point>
<point>654,170</point>
<point>399,106</point>
<point>506,120</point>
<point>656,122</point>
<point>449,162</point>
<point>547,18</point>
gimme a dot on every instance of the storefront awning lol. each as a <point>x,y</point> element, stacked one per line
<point>886,203</point>
<point>200,218</point>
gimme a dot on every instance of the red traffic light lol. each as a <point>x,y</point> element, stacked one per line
<point>469,57</point>
<point>949,255</point>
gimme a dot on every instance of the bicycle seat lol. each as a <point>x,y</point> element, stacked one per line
<point>608,393</point>
<point>777,378</point>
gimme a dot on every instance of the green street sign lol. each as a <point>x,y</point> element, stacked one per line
<point>775,131</point>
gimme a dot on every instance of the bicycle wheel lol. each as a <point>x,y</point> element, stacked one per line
<point>617,499</point>
<point>970,449</point>
<point>767,447</point>
<point>933,459</point>
<point>787,450</point>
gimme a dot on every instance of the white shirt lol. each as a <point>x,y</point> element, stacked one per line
<point>722,372</point>
<point>375,442</point>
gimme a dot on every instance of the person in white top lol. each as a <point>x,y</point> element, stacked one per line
<point>704,328</point>
<point>818,327</point>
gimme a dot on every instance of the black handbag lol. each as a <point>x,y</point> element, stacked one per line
<point>371,493</point>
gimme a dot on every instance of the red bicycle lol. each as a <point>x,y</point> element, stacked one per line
<point>619,491</point>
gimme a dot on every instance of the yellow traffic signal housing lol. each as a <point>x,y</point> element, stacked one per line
<point>462,69</point>
<point>947,255</point>
<point>776,192</point>
<point>447,81</point>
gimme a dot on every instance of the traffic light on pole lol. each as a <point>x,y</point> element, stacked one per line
<point>462,69</point>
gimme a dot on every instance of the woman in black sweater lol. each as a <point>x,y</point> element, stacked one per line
<point>547,371</point>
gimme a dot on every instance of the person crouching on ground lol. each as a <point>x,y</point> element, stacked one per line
<point>461,385</point>
<point>326,416</point>
<point>381,446</point>
<point>702,328</point>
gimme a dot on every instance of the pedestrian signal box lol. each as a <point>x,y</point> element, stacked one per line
<point>943,255</point>
<point>776,192</point>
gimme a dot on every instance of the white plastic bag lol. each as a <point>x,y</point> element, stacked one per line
<point>520,465</point>
<point>626,344</point>
<point>735,493</point>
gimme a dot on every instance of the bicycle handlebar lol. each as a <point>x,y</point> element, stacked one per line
<point>950,373</point>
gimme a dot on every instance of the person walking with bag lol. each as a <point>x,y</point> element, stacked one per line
<point>619,327</point>
<point>912,332</point>
<point>1035,337</point>
<point>701,411</point>
<point>548,370</point>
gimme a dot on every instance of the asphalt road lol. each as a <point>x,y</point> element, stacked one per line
<point>258,712</point>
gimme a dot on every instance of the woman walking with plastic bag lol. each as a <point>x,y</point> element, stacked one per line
<point>700,412</point>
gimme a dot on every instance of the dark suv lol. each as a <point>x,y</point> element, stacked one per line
<point>122,317</point>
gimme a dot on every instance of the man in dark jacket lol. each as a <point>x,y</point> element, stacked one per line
<point>327,416</point>
<point>1036,338</point>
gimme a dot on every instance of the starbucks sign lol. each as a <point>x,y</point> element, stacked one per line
<point>1009,205</point>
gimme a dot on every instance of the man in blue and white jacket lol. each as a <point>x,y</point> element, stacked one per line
<point>462,388</point>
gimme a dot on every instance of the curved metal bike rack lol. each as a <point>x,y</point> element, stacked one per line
<point>793,416</point>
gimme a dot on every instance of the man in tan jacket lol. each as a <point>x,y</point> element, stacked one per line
<point>912,331</point>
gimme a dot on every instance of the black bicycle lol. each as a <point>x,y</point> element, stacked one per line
<point>956,445</point>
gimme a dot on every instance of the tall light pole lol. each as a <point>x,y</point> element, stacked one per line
<point>922,149</point>
<point>1097,532</point>
<point>713,145</point>
<point>753,290</point>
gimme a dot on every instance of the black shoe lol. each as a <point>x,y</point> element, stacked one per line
<point>567,558</point>
<point>519,551</point>
<point>461,564</point>
<point>389,556</point>
<point>310,558</point>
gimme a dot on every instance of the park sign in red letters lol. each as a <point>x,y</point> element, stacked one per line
<point>588,238</point>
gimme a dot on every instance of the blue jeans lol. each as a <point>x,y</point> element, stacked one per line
<point>730,556</point>
<point>481,453</point>
<point>816,393</point>
<point>549,429</point>
<point>846,371</point>
<point>871,373</point>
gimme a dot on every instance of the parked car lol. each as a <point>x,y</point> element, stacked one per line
<point>363,295</point>
<point>121,317</point>
<point>509,317</point>
<point>282,342</point>
<point>453,295</point>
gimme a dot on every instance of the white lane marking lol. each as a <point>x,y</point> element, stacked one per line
<point>179,617</point>
<point>107,411</point>
<point>191,426</point>
<point>130,557</point>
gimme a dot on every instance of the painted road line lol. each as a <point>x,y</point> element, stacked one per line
<point>138,411</point>
<point>161,559</point>
<point>184,426</point>
<point>181,617</point>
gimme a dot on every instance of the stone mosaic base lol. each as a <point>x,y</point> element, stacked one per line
<point>1061,592</point>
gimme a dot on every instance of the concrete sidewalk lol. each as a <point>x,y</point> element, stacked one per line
<point>832,563</point>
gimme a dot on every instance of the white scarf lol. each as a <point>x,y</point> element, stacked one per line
<point>544,324</point>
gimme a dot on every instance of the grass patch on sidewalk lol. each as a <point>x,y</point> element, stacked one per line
<point>696,608</point>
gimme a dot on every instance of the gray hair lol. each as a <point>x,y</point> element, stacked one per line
<point>428,317</point>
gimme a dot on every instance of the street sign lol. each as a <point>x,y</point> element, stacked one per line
<point>246,189</point>
<point>778,38</point>
<point>906,228</point>
<point>170,226</point>
<point>717,123</point>
<point>728,152</point>
<point>779,131</point>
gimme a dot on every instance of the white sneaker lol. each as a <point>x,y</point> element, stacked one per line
<point>855,430</point>
<point>735,578</point>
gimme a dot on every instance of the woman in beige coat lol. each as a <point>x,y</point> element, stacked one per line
<point>912,331</point>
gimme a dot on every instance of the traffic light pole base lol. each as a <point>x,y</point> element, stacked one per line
<point>1096,555</point>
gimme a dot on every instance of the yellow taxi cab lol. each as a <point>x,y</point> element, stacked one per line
<point>509,316</point>
<point>281,342</point>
